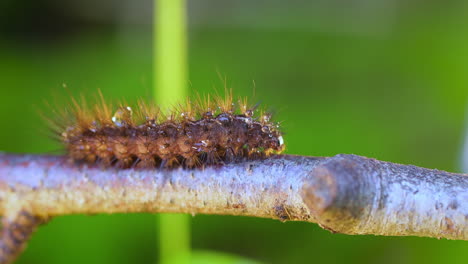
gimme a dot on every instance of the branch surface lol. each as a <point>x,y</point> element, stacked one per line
<point>345,193</point>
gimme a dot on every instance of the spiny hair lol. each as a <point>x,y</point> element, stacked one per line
<point>209,130</point>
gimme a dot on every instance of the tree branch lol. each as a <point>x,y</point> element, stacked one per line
<point>16,233</point>
<point>346,193</point>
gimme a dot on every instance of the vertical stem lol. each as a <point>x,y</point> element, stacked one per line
<point>169,86</point>
<point>170,51</point>
<point>174,238</point>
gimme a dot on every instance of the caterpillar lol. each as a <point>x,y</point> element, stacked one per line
<point>196,133</point>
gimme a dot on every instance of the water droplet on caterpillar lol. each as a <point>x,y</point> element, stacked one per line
<point>223,118</point>
<point>249,113</point>
<point>94,126</point>
<point>122,116</point>
<point>266,118</point>
<point>208,115</point>
<point>150,122</point>
<point>265,129</point>
<point>281,141</point>
<point>187,116</point>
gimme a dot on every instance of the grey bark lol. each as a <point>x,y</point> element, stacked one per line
<point>346,193</point>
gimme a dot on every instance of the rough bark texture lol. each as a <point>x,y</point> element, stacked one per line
<point>346,194</point>
<point>15,234</point>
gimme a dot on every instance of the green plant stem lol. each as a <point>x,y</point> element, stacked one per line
<point>170,81</point>
<point>170,51</point>
<point>174,238</point>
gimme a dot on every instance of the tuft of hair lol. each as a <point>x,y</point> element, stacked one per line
<point>210,130</point>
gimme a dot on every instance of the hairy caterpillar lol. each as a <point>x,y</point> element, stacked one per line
<point>193,134</point>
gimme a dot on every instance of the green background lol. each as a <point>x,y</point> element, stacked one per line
<point>390,84</point>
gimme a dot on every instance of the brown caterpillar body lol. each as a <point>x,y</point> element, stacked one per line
<point>196,134</point>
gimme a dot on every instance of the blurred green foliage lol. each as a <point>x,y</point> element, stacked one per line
<point>399,96</point>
